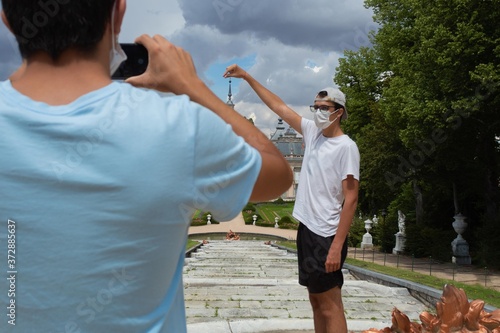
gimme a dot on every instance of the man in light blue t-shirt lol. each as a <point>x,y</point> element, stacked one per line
<point>99,179</point>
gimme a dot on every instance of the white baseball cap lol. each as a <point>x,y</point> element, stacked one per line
<point>332,95</point>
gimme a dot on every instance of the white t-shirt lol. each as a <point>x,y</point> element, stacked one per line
<point>327,162</point>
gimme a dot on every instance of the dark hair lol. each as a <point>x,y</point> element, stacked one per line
<point>53,26</point>
<point>338,106</point>
<point>324,93</point>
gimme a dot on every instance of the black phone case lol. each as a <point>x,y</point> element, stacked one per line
<point>136,63</point>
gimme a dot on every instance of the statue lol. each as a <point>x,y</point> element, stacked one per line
<point>453,314</point>
<point>401,222</point>
<point>231,235</point>
<point>400,236</point>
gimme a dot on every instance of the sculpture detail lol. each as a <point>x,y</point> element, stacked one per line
<point>454,313</point>
<point>401,222</point>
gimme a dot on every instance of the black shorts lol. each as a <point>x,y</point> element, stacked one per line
<point>311,252</point>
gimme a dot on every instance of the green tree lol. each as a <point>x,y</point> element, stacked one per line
<point>362,80</point>
<point>424,104</point>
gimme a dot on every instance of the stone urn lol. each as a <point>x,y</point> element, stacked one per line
<point>459,246</point>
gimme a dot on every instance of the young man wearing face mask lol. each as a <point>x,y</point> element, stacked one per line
<point>99,180</point>
<point>326,198</point>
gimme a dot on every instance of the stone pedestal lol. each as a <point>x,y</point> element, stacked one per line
<point>459,246</point>
<point>367,242</point>
<point>400,243</point>
<point>460,251</point>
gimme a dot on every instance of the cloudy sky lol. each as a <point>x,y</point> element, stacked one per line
<point>291,46</point>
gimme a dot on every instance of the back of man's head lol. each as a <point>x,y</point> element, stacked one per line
<point>53,26</point>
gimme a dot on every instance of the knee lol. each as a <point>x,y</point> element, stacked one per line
<point>327,303</point>
<point>321,306</point>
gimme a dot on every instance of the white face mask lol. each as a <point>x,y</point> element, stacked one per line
<point>322,118</point>
<point>116,55</point>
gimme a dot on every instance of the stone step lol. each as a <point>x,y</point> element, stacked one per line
<point>240,246</point>
<point>240,268</point>
<point>269,257</point>
<point>240,275</point>
<point>246,280</point>
<point>242,262</point>
<point>243,252</point>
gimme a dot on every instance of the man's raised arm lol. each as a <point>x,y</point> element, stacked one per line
<point>171,69</point>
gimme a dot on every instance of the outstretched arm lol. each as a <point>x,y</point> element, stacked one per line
<point>171,69</point>
<point>274,102</point>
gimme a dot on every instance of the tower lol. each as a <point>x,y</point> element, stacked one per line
<point>230,96</point>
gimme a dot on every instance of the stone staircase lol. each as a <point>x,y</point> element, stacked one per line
<point>248,281</point>
<point>243,279</point>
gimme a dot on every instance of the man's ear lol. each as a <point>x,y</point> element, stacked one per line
<point>340,112</point>
<point>120,8</point>
<point>4,20</point>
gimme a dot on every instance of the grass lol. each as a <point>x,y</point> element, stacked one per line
<point>288,244</point>
<point>267,212</point>
<point>489,296</point>
<point>191,243</point>
<point>200,218</point>
<point>270,211</point>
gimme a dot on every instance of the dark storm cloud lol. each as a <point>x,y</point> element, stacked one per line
<point>327,25</point>
<point>296,43</point>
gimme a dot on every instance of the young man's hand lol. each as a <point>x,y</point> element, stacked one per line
<point>235,71</point>
<point>170,68</point>
<point>333,260</point>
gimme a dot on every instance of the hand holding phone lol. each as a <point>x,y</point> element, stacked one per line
<point>174,69</point>
<point>136,63</point>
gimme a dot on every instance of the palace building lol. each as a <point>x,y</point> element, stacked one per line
<point>292,148</point>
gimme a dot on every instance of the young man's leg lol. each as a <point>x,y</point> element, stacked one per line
<point>324,288</point>
<point>328,311</point>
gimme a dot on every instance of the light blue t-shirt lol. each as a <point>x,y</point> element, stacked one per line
<point>96,198</point>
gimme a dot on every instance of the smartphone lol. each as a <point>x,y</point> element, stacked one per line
<point>136,63</point>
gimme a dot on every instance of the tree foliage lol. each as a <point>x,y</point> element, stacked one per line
<point>424,107</point>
